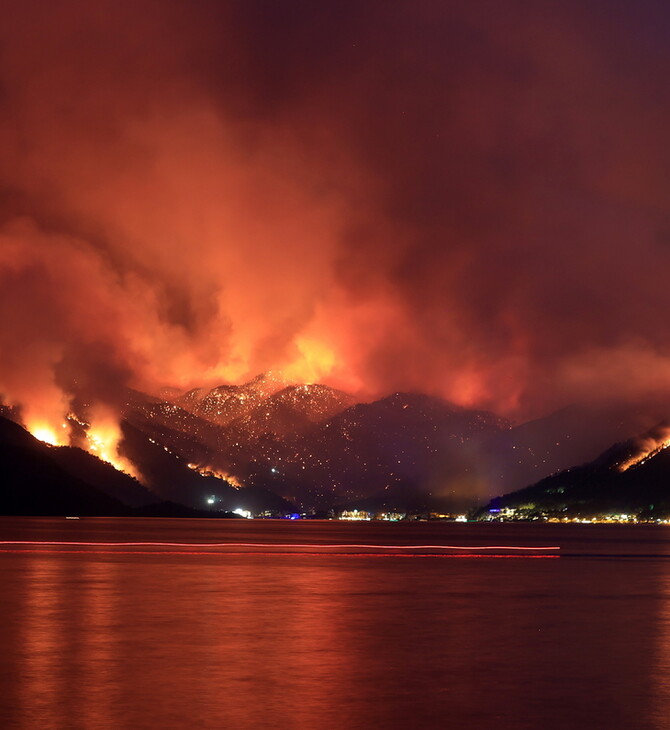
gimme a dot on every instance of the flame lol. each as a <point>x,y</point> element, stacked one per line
<point>42,415</point>
<point>648,447</point>
<point>103,436</point>
<point>48,434</point>
<point>207,471</point>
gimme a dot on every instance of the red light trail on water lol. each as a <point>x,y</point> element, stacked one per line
<point>188,548</point>
<point>276,554</point>
<point>278,545</point>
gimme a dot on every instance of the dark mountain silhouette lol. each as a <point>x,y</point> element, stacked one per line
<point>169,475</point>
<point>35,480</point>
<point>311,445</point>
<point>411,439</point>
<point>631,477</point>
<point>103,476</point>
<point>38,479</point>
<point>515,458</point>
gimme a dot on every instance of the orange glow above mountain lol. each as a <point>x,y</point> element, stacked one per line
<point>375,196</point>
<point>315,362</point>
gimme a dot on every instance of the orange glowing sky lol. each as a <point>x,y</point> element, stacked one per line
<point>427,196</point>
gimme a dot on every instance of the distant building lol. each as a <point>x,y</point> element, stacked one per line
<point>355,514</point>
<point>391,516</point>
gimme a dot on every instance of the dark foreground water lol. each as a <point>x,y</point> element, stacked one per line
<point>146,636</point>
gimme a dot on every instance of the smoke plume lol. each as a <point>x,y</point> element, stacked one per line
<point>465,198</point>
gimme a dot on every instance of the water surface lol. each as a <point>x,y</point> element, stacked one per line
<point>294,637</point>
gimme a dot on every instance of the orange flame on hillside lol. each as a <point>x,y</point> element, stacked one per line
<point>206,471</point>
<point>48,434</point>
<point>103,437</point>
<point>648,447</point>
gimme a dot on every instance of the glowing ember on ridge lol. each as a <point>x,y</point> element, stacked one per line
<point>648,446</point>
<point>206,471</point>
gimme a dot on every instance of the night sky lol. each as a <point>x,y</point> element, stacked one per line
<point>468,199</point>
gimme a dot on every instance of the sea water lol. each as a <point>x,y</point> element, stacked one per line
<point>285,625</point>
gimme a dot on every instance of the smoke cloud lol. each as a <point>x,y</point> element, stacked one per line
<point>459,198</point>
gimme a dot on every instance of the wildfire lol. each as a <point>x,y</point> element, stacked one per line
<point>103,436</point>
<point>49,434</point>
<point>648,447</point>
<point>206,471</point>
